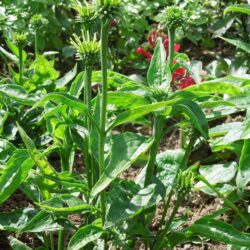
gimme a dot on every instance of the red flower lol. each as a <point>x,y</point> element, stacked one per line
<point>186,82</point>
<point>152,38</point>
<point>178,74</point>
<point>146,54</point>
<point>177,47</point>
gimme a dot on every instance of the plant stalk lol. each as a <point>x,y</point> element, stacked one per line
<point>52,247</point>
<point>61,239</point>
<point>157,134</point>
<point>20,65</point>
<point>102,138</point>
<point>171,36</point>
<point>36,43</point>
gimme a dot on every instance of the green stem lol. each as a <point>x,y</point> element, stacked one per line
<point>87,101</point>
<point>159,240</point>
<point>52,247</point>
<point>36,43</point>
<point>20,65</point>
<point>157,134</point>
<point>227,202</point>
<point>102,138</point>
<point>46,241</point>
<point>171,36</point>
<point>61,240</point>
<point>188,151</point>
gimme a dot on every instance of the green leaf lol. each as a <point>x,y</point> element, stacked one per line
<point>77,85</point>
<point>84,236</point>
<point>215,87</point>
<point>219,231</point>
<point>66,78</point>
<point>15,220</point>
<point>238,43</point>
<point>44,222</point>
<point>17,93</point>
<point>63,98</point>
<point>195,113</point>
<point>14,173</point>
<point>126,100</point>
<point>6,150</point>
<point>159,73</point>
<point>14,49</point>
<point>10,56</point>
<point>36,156</point>
<point>66,204</point>
<point>17,244</point>
<point>126,149</point>
<point>243,8</point>
<point>135,113</point>
<point>243,176</point>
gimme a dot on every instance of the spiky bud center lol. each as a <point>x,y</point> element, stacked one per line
<point>108,8</point>
<point>36,20</point>
<point>171,17</point>
<point>85,13</point>
<point>20,39</point>
<point>87,49</point>
<point>185,180</point>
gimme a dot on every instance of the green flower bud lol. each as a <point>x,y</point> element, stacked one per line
<point>87,49</point>
<point>20,39</point>
<point>171,17</point>
<point>36,20</point>
<point>108,8</point>
<point>85,13</point>
<point>185,181</point>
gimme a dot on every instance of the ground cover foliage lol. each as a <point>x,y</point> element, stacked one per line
<point>79,78</point>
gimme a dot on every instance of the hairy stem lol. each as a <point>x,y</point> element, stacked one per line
<point>171,35</point>
<point>102,138</point>
<point>20,65</point>
<point>157,134</point>
<point>61,239</point>
<point>36,43</point>
<point>52,247</point>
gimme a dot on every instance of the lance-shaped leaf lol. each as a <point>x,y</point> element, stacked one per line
<point>44,222</point>
<point>215,87</point>
<point>17,244</point>
<point>67,77</point>
<point>84,236</point>
<point>196,115</point>
<point>159,73</point>
<point>219,231</point>
<point>66,204</point>
<point>14,173</point>
<point>243,8</point>
<point>15,220</point>
<point>135,113</point>
<point>238,43</point>
<point>126,149</point>
<point>17,93</point>
<point>243,176</point>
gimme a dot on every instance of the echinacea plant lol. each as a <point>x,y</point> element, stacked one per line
<point>36,22</point>
<point>20,39</point>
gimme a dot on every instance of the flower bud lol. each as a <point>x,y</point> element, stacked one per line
<point>108,8</point>
<point>87,49</point>
<point>171,17</point>
<point>36,20</point>
<point>185,180</point>
<point>85,13</point>
<point>20,39</point>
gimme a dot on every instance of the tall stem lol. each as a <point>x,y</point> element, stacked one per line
<point>20,65</point>
<point>157,132</point>
<point>87,101</point>
<point>171,36</point>
<point>102,138</point>
<point>36,43</point>
<point>61,238</point>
